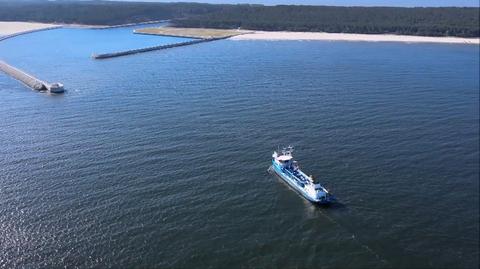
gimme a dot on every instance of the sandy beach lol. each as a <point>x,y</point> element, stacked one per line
<point>13,27</point>
<point>190,32</point>
<point>264,35</point>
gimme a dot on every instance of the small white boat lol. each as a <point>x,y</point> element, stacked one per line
<point>288,170</point>
<point>55,87</point>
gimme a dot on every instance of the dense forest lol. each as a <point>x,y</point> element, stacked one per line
<point>462,22</point>
<point>448,21</point>
<point>98,12</point>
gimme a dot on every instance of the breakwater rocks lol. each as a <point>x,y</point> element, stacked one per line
<point>160,47</point>
<point>29,80</point>
<point>28,32</point>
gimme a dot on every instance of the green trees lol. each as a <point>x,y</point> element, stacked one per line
<point>462,22</point>
<point>98,12</point>
<point>449,21</point>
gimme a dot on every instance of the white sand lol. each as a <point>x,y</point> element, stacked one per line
<point>8,28</point>
<point>13,27</point>
<point>263,35</point>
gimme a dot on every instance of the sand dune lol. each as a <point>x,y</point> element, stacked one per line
<point>263,35</point>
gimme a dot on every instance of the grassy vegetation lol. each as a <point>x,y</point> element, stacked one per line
<point>463,22</point>
<point>189,32</point>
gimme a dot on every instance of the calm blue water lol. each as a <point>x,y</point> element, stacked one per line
<point>160,159</point>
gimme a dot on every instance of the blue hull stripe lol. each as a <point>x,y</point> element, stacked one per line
<point>292,182</point>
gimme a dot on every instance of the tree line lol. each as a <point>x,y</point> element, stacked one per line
<point>445,21</point>
<point>448,21</point>
<point>98,12</point>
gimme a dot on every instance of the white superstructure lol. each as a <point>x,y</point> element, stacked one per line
<point>288,169</point>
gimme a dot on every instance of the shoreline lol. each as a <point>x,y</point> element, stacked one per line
<point>101,27</point>
<point>196,33</point>
<point>9,29</point>
<point>13,28</point>
<point>321,36</point>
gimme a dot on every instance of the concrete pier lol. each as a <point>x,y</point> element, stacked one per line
<point>30,80</point>
<point>161,47</point>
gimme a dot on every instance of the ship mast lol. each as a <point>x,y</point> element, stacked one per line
<point>288,151</point>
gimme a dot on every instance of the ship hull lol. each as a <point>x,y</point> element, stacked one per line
<point>293,184</point>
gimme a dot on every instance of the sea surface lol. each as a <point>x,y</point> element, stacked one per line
<point>159,160</point>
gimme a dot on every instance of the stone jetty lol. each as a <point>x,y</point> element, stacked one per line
<point>29,80</point>
<point>161,47</point>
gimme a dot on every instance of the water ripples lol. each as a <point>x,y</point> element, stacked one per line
<point>160,159</point>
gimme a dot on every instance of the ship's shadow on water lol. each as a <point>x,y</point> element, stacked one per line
<point>326,210</point>
<point>335,205</point>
